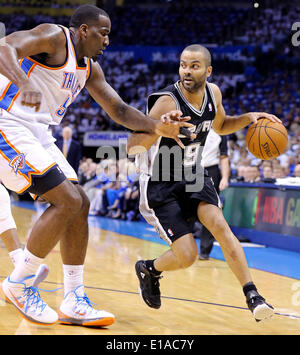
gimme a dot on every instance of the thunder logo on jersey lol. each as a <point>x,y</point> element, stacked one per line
<point>70,82</point>
<point>18,163</point>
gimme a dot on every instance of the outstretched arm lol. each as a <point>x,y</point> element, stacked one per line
<point>164,107</point>
<point>124,114</point>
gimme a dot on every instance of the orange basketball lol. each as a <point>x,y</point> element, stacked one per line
<point>266,139</point>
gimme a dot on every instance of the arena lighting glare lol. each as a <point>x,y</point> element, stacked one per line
<point>256,5</point>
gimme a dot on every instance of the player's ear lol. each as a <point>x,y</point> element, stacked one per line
<point>83,30</point>
<point>209,71</point>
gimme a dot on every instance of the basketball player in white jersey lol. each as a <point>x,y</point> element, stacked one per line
<point>42,72</point>
<point>168,204</point>
<point>10,238</point>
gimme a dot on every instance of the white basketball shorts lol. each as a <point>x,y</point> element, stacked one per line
<point>28,154</point>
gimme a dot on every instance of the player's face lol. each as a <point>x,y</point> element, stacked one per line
<point>97,37</point>
<point>193,71</point>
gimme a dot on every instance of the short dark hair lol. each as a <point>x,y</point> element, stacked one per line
<point>201,49</point>
<point>86,14</point>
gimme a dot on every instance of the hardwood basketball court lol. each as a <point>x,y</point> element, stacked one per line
<point>203,299</point>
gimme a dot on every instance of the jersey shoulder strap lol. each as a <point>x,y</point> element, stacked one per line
<point>170,91</point>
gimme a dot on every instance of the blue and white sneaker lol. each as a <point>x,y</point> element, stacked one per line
<point>76,309</point>
<point>28,302</point>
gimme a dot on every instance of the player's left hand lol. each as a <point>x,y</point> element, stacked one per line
<point>255,116</point>
<point>175,115</point>
<point>170,124</point>
<point>223,184</point>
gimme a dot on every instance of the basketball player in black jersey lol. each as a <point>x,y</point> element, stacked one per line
<point>168,201</point>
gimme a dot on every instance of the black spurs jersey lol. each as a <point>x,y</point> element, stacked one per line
<point>165,159</point>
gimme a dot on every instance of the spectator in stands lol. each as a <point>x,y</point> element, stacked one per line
<point>266,68</point>
<point>130,201</point>
<point>244,157</point>
<point>240,173</point>
<point>297,170</point>
<point>130,206</point>
<point>251,174</point>
<point>293,180</point>
<point>70,148</point>
<point>83,173</point>
<point>278,172</point>
<point>93,186</point>
<point>115,195</point>
<point>96,187</point>
<point>87,171</point>
<point>267,174</point>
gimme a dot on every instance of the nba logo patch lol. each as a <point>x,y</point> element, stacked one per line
<point>18,163</point>
<point>170,232</point>
<point>210,107</point>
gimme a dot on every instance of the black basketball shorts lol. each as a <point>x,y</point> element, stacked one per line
<point>170,209</point>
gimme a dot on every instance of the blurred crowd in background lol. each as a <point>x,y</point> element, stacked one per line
<point>262,77</point>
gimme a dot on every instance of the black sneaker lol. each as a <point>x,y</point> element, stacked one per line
<point>149,285</point>
<point>259,308</point>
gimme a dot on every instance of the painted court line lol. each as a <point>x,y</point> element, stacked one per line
<point>292,316</point>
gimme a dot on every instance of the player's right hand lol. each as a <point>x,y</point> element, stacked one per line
<point>30,96</point>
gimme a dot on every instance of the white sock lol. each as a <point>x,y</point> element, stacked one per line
<point>27,266</point>
<point>16,255</point>
<point>73,277</point>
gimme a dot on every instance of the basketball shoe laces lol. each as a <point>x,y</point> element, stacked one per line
<point>31,297</point>
<point>83,305</point>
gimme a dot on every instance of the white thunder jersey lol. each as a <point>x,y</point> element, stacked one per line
<point>59,87</point>
<point>27,148</point>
